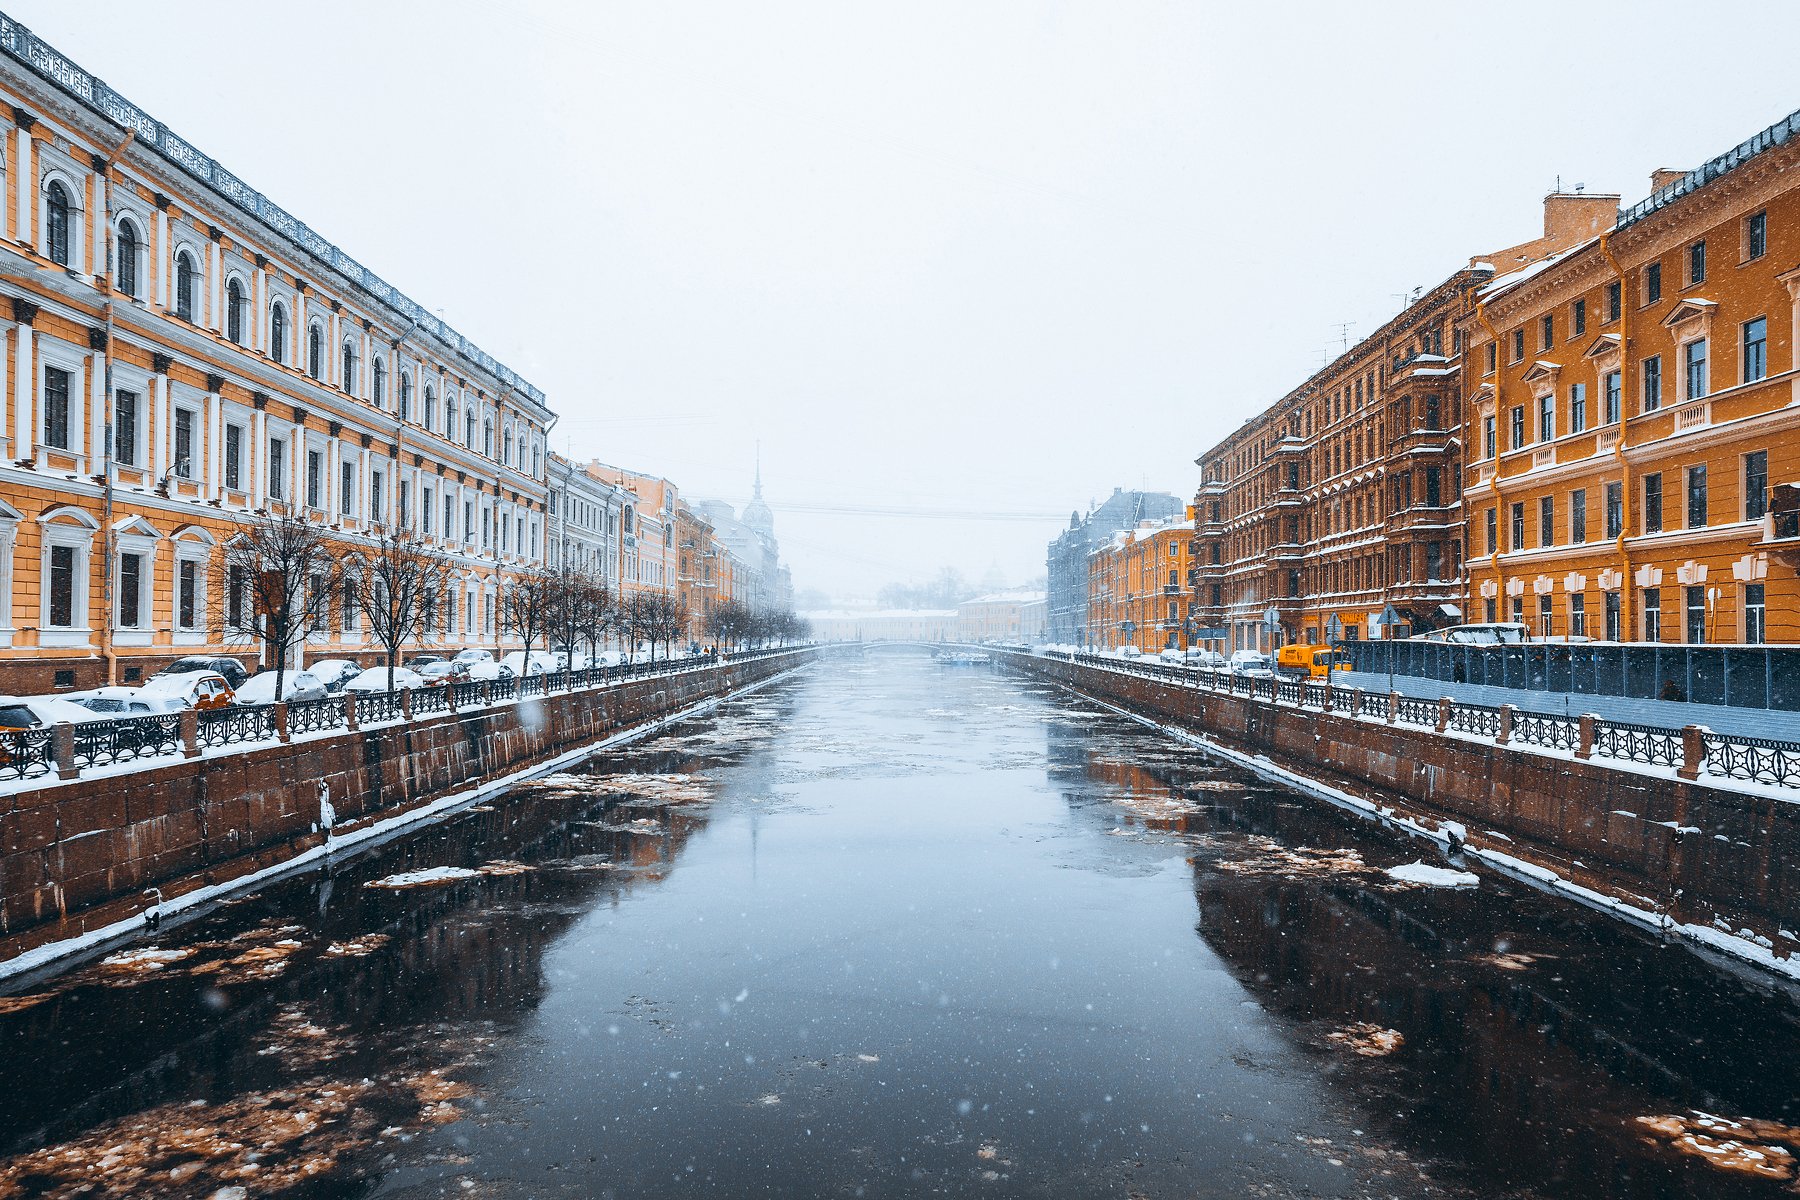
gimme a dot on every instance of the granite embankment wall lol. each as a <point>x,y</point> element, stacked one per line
<point>80,854</point>
<point>1690,850</point>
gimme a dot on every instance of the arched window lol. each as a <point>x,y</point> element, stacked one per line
<point>234,312</point>
<point>379,381</point>
<point>349,380</point>
<point>278,332</point>
<point>487,438</point>
<point>56,223</point>
<point>469,429</point>
<point>506,452</point>
<point>430,408</point>
<point>128,256</point>
<point>405,396</point>
<point>315,352</point>
<point>184,286</point>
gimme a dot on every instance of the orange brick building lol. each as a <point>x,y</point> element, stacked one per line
<point>1344,497</point>
<point>241,362</point>
<point>1632,411</point>
<point>1138,590</point>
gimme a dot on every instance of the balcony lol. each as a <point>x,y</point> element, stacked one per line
<point>1173,589</point>
<point>1421,442</point>
<point>1287,551</point>
<point>1288,497</point>
<point>1437,516</point>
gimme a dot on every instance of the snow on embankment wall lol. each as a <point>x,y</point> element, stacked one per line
<point>1695,854</point>
<point>77,856</point>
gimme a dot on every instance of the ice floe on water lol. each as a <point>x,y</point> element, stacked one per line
<point>442,876</point>
<point>1743,1146</point>
<point>1424,875</point>
<point>1367,1039</point>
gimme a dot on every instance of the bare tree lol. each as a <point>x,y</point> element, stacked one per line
<point>269,581</point>
<point>663,618</point>
<point>528,605</point>
<point>396,589</point>
<point>727,624</point>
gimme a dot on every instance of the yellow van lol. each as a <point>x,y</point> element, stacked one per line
<point>1301,661</point>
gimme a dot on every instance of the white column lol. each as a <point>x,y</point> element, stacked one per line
<point>299,334</point>
<point>95,446</point>
<point>215,308</point>
<point>334,353</point>
<point>332,471</point>
<point>215,446</point>
<point>365,381</point>
<point>96,241</point>
<point>164,264</point>
<point>296,473</point>
<point>259,309</point>
<point>259,456</point>
<point>25,177</point>
<point>363,514</point>
<point>157,426</point>
<point>24,379</point>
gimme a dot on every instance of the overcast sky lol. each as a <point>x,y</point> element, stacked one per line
<point>982,261</point>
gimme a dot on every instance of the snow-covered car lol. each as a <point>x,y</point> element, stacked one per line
<point>542,663</point>
<point>375,679</point>
<point>474,654</point>
<point>607,658</point>
<point>1251,664</point>
<point>1210,660</point>
<point>443,672</point>
<point>193,689</point>
<point>117,701</point>
<point>295,685</point>
<point>220,664</point>
<point>1130,652</point>
<point>571,660</point>
<point>1174,656</point>
<point>334,673</point>
<point>487,670</point>
<point>45,710</point>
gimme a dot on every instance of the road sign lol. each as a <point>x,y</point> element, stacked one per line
<point>1272,618</point>
<point>1334,630</point>
<point>1391,616</point>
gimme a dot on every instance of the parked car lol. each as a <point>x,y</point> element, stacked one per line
<point>220,664</point>
<point>295,685</point>
<point>1130,652</point>
<point>334,673</point>
<point>1175,656</point>
<point>45,710</point>
<point>419,662</point>
<point>118,701</point>
<point>486,670</point>
<point>1207,660</point>
<point>474,654</point>
<point>570,660</point>
<point>194,689</point>
<point>444,672</point>
<point>542,663</point>
<point>1251,664</point>
<point>375,679</point>
<point>606,658</point>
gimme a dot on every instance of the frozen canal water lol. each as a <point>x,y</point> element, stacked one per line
<point>892,929</point>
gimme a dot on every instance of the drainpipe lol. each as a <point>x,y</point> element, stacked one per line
<point>1627,626</point>
<point>1500,506</point>
<point>106,465</point>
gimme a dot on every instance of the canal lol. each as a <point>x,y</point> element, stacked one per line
<point>895,928</point>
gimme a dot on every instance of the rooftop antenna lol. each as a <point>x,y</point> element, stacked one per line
<point>1343,328</point>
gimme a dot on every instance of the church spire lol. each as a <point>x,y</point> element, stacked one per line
<point>758,492</point>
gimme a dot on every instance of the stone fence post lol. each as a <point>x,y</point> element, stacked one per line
<point>190,732</point>
<point>350,722</point>
<point>62,749</point>
<point>280,719</point>
<point>1584,747</point>
<point>1506,723</point>
<point>1693,751</point>
<point>1445,704</point>
<point>406,709</point>
<point>1393,707</point>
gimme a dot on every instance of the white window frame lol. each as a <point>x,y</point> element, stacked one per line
<point>192,545</point>
<point>67,526</point>
<point>134,535</point>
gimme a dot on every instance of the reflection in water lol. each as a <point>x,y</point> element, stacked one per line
<point>933,931</point>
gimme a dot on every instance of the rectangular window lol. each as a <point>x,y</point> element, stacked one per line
<point>1653,283</point>
<point>1546,521</point>
<point>1518,525</point>
<point>1547,615</point>
<point>1756,235</point>
<point>131,593</point>
<point>62,587</point>
<point>1653,496</point>
<point>1518,347</point>
<point>315,472</point>
<point>1696,496</point>
<point>1697,263</point>
<point>56,408</point>
<point>1434,487</point>
<point>184,443</point>
<point>1578,318</point>
<point>347,488</point>
<point>125,419</point>
<point>468,520</point>
<point>1489,443</point>
<point>1755,615</point>
<point>1434,561</point>
<point>376,511</point>
<point>234,457</point>
<point>1614,300</point>
<point>1547,331</point>
<point>1694,600</point>
<point>1756,485</point>
<point>277,463</point>
<point>1610,610</point>
<point>187,602</point>
<point>403,498</point>
<point>1518,426</point>
<point>1493,530</point>
<point>1615,510</point>
<point>1577,407</point>
<point>1756,349</point>
<point>1492,355</point>
<point>1578,515</point>
<point>1652,383</point>
<point>1652,614</point>
<point>487,528</point>
<point>1518,610</point>
<point>1546,418</point>
<point>1693,357</point>
<point>1490,610</point>
<point>1578,615</point>
<point>425,509</point>
<point>237,584</point>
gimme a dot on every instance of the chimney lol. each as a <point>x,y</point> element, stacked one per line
<point>1662,177</point>
<point>1571,218</point>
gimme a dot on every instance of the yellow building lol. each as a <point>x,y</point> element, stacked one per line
<point>1014,616</point>
<point>242,361</point>
<point>1138,587</point>
<point>1632,410</point>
